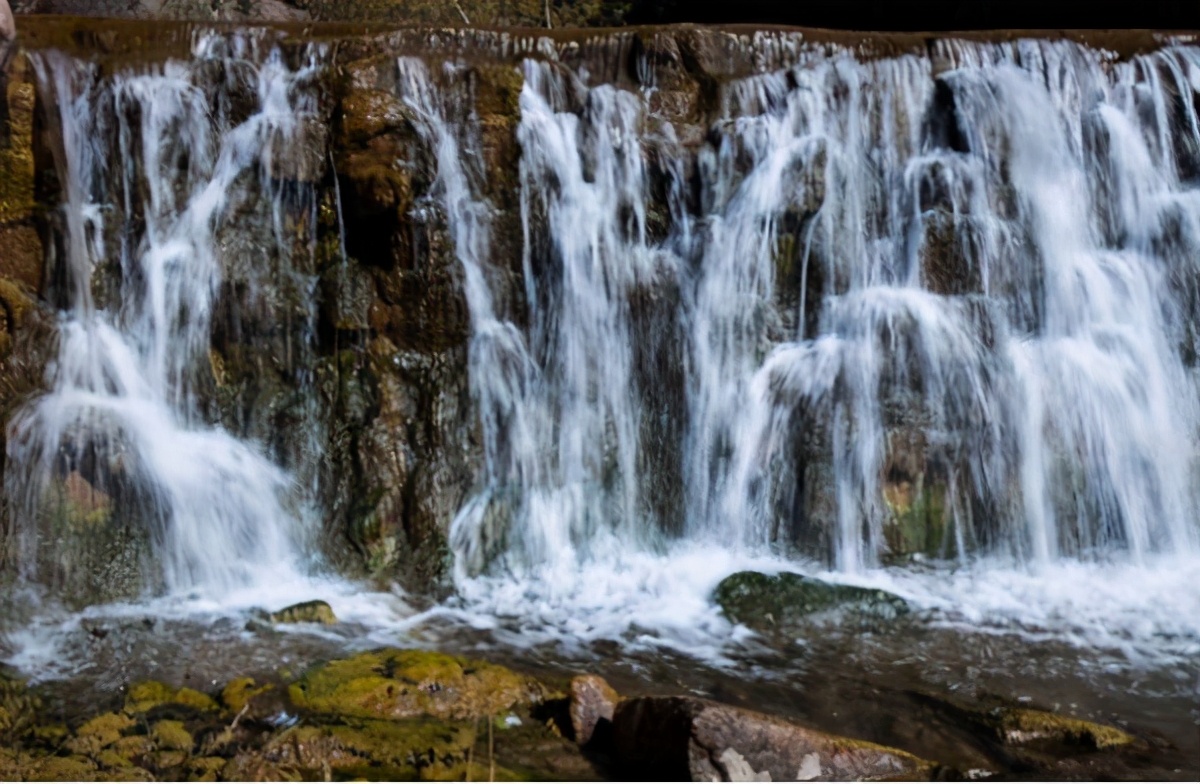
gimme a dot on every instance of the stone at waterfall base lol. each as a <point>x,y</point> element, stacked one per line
<point>593,703</point>
<point>786,602</point>
<point>684,738</point>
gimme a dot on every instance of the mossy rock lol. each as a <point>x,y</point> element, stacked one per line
<point>781,602</point>
<point>239,691</point>
<point>18,709</point>
<point>112,760</point>
<point>75,768</point>
<point>172,736</point>
<point>51,734</point>
<point>367,113</point>
<point>99,733</point>
<point>145,696</point>
<point>306,612</point>
<point>401,684</point>
<point>141,697</point>
<point>205,768</point>
<point>168,760</point>
<point>1025,727</point>
<point>133,747</point>
<point>499,90</point>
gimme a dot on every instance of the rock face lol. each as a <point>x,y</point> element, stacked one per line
<point>781,603</point>
<point>682,738</point>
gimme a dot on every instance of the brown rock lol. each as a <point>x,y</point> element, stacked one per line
<point>684,738</point>
<point>8,27</point>
<point>592,701</point>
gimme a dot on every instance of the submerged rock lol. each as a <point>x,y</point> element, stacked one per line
<point>306,612</point>
<point>780,602</point>
<point>684,738</point>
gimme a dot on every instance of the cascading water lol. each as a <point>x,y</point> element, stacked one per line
<point>927,307</point>
<point>123,421</point>
<point>881,288</point>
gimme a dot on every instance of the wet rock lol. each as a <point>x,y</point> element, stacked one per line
<point>144,697</point>
<point>683,738</point>
<point>780,602</point>
<point>1034,728</point>
<point>306,612</point>
<point>75,768</point>
<point>299,154</point>
<point>172,736</point>
<point>593,702</point>
<point>18,710</point>
<point>239,691</point>
<point>367,113</point>
<point>400,684</point>
<point>403,748</point>
<point>948,253</point>
<point>99,733</point>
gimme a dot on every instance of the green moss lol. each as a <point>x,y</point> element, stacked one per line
<point>366,114</point>
<point>141,697</point>
<point>1023,726</point>
<point>499,90</point>
<point>171,735</point>
<point>918,518</point>
<point>166,760</point>
<point>18,709</point>
<point>16,160</point>
<point>306,612</point>
<point>206,764</point>
<point>62,769</point>
<point>111,759</point>
<point>99,733</point>
<point>410,742</point>
<point>133,747</point>
<point>240,691</point>
<point>51,734</point>
<point>127,774</point>
<point>397,684</point>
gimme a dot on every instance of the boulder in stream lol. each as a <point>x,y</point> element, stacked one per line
<point>773,603</point>
<point>685,738</point>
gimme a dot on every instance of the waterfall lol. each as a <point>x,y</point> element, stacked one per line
<point>956,284</point>
<point>845,314</point>
<point>152,166</point>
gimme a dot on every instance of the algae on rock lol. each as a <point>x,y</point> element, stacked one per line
<point>780,603</point>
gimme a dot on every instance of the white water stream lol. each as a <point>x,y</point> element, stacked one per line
<point>993,272</point>
<point>123,404</point>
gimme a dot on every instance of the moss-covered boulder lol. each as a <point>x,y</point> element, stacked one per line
<point>143,697</point>
<point>306,612</point>
<point>779,603</point>
<point>99,733</point>
<point>1035,728</point>
<point>403,684</point>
